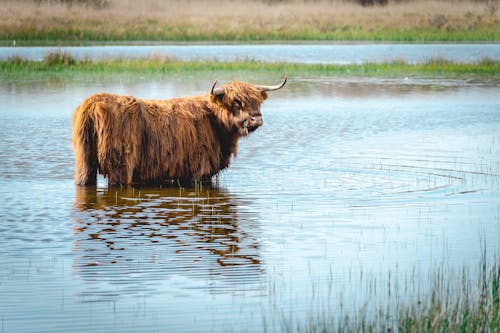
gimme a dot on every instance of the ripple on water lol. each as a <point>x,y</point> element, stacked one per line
<point>131,236</point>
<point>345,175</point>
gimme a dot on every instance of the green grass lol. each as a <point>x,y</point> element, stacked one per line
<point>50,32</point>
<point>51,36</point>
<point>466,301</point>
<point>64,65</point>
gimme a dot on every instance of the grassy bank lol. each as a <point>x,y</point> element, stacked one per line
<point>26,22</point>
<point>63,64</point>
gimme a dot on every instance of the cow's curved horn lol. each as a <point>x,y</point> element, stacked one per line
<point>216,91</point>
<point>271,88</point>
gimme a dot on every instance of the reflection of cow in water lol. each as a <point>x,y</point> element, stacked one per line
<point>130,140</point>
<point>129,234</point>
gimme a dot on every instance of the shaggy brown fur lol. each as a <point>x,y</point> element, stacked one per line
<point>131,140</point>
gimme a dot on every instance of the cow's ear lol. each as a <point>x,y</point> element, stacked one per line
<point>217,99</point>
<point>263,94</point>
<point>216,94</point>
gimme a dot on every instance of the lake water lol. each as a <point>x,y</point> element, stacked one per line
<point>301,53</point>
<point>347,182</point>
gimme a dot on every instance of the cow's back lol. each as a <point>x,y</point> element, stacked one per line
<point>180,141</point>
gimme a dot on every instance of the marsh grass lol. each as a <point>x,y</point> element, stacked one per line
<point>197,20</point>
<point>59,58</point>
<point>446,301</point>
<point>63,64</point>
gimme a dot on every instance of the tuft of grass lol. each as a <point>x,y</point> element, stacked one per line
<point>469,310</point>
<point>58,58</point>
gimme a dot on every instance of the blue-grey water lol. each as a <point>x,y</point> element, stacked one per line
<point>347,181</point>
<point>301,53</point>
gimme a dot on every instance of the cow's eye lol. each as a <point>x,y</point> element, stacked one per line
<point>237,106</point>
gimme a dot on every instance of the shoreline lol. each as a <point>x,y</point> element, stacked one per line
<point>63,64</point>
<point>68,43</point>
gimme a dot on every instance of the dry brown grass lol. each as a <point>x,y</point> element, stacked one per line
<point>159,20</point>
<point>205,11</point>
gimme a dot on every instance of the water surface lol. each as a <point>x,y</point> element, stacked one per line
<point>297,53</point>
<point>346,177</point>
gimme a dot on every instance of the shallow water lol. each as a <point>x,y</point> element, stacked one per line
<point>346,177</point>
<point>300,53</point>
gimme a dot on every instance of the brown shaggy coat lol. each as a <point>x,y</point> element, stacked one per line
<point>131,140</point>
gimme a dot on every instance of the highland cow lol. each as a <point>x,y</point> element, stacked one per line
<point>131,140</point>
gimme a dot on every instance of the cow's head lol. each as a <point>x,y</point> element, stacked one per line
<point>241,103</point>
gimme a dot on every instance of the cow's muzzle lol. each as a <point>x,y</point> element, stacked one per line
<point>250,125</point>
<point>253,123</point>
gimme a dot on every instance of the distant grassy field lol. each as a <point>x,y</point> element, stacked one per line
<point>29,23</point>
<point>64,65</point>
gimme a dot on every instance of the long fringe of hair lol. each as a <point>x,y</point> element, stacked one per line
<point>130,140</point>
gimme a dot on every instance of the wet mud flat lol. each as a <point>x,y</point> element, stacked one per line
<point>351,186</point>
